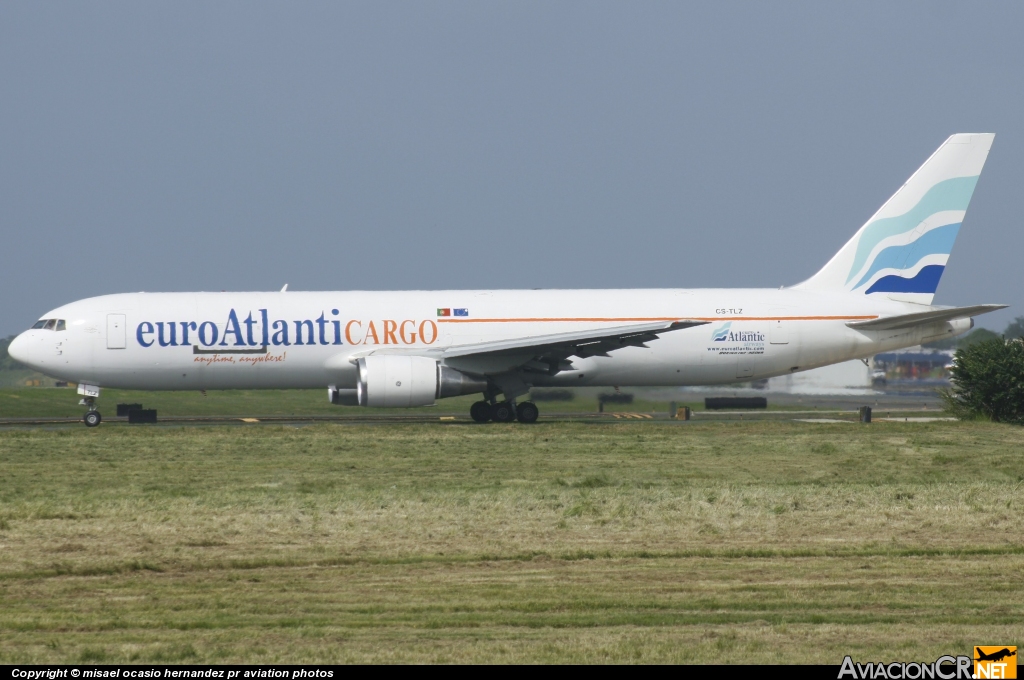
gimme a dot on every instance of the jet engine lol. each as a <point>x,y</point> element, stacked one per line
<point>394,380</point>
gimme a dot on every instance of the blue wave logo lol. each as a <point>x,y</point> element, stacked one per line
<point>720,334</point>
<point>938,241</point>
<point>925,281</point>
<point>951,194</point>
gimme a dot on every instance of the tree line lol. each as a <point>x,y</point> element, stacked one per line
<point>987,377</point>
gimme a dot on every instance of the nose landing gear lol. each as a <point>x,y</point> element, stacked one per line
<point>92,417</point>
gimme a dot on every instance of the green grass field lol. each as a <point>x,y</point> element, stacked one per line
<point>450,542</point>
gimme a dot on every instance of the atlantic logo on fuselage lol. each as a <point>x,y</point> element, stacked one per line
<point>725,334</point>
<point>720,334</point>
<point>260,331</point>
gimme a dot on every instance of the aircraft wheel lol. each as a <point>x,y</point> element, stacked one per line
<point>527,412</point>
<point>503,412</point>
<point>480,411</point>
<point>92,418</point>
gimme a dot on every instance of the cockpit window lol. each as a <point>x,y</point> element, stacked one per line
<point>51,324</point>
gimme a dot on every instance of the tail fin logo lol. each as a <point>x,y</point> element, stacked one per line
<point>902,250</point>
<point>720,334</point>
<point>907,253</point>
<point>929,227</point>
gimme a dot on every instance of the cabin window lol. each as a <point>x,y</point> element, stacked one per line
<point>50,323</point>
<point>61,325</point>
<point>39,324</point>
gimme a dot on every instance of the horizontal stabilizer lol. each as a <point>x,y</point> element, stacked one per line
<point>889,323</point>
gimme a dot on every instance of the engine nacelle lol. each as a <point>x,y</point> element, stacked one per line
<point>397,381</point>
<point>394,380</point>
<point>949,329</point>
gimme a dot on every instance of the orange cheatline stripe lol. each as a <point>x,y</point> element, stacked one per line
<point>578,318</point>
<point>665,318</point>
<point>787,318</point>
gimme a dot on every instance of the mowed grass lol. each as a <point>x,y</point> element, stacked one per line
<point>616,542</point>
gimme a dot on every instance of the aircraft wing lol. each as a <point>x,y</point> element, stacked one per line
<point>556,347</point>
<point>889,323</point>
<point>538,353</point>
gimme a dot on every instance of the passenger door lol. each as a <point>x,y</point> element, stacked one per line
<point>778,329</point>
<point>116,334</point>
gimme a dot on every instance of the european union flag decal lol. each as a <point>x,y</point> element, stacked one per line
<point>461,312</point>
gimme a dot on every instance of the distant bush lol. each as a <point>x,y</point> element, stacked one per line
<point>552,395</point>
<point>988,381</point>
<point>972,338</point>
<point>1015,329</point>
<point>616,398</point>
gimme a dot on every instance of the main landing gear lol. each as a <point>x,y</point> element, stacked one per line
<point>480,411</point>
<point>504,412</point>
<point>527,412</point>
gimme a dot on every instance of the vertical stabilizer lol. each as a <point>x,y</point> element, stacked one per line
<point>902,250</point>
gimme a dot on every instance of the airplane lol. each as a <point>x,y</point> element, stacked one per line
<point>411,348</point>
<point>998,655</point>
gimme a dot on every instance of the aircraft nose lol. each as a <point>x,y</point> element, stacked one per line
<point>20,349</point>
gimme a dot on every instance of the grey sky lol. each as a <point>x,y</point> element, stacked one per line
<point>208,146</point>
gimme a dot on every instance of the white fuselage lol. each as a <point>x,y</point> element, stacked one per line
<point>194,341</point>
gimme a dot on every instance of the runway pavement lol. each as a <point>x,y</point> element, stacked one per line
<point>813,415</point>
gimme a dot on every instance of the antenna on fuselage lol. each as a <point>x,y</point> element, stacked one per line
<point>285,288</point>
